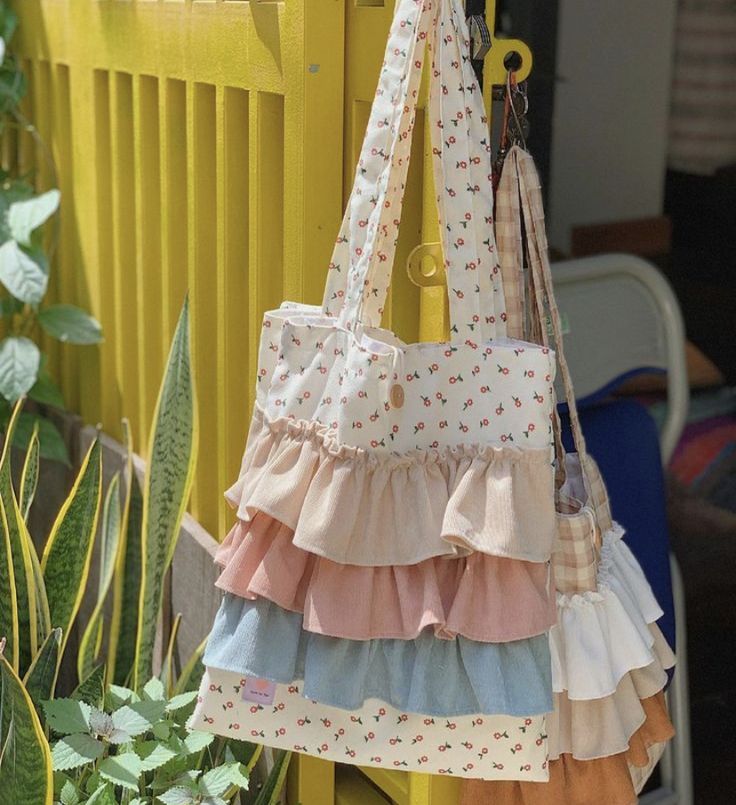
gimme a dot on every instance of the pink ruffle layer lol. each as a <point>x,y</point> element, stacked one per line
<point>484,598</point>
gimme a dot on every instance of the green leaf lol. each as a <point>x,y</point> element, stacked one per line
<point>104,795</point>
<point>29,593</point>
<point>177,796</point>
<point>109,542</point>
<point>9,610</point>
<point>9,306</point>
<point>68,551</point>
<point>67,716</point>
<point>138,717</point>
<point>76,750</point>
<point>216,781</point>
<point>45,391</point>
<point>29,477</point>
<point>192,672</point>
<point>28,599</point>
<point>181,700</point>
<point>92,689</point>
<point>51,442</point>
<point>123,770</point>
<point>25,216</point>
<point>196,741</point>
<point>154,689</point>
<point>244,752</point>
<point>169,662</point>
<point>70,324</point>
<point>25,761</point>
<point>40,679</point>
<point>168,483</point>
<point>69,794</point>
<point>19,362</point>
<point>21,274</point>
<point>128,573</point>
<point>117,695</point>
<point>271,791</point>
<point>154,755</point>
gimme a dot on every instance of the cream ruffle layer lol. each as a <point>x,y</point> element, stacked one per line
<point>356,507</point>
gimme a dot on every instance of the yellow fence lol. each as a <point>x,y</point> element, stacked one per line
<point>208,146</point>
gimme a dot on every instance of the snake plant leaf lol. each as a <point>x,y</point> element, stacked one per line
<point>29,478</point>
<point>25,216</point>
<point>16,551</point>
<point>25,760</point>
<point>192,673</point>
<point>68,552</point>
<point>40,679</point>
<point>167,669</point>
<point>9,609</point>
<point>92,689</point>
<point>271,792</point>
<point>168,483</point>
<point>109,544</point>
<point>37,616</point>
<point>127,579</point>
<point>32,600</point>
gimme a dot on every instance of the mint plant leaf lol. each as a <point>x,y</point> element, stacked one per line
<point>123,770</point>
<point>75,751</point>
<point>66,716</point>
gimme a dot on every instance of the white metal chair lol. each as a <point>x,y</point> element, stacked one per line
<point>620,315</point>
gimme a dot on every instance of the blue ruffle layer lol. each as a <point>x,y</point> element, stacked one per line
<point>427,675</point>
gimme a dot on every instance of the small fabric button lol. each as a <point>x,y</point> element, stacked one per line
<point>397,395</point>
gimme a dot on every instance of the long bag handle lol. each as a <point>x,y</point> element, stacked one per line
<point>361,264</point>
<point>541,292</point>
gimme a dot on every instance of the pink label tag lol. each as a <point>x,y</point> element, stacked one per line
<point>259,690</point>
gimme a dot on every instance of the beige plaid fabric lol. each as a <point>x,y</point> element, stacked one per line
<point>580,524</point>
<point>579,529</point>
<point>509,248</point>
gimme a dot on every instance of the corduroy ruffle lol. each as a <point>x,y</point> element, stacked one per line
<point>481,597</point>
<point>357,507</point>
<point>426,675</point>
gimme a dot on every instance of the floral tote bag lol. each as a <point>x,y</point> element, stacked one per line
<point>388,597</point>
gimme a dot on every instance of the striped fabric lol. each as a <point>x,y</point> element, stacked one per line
<point>702,135</point>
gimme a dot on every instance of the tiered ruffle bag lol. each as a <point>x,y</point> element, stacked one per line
<point>609,658</point>
<point>387,587</point>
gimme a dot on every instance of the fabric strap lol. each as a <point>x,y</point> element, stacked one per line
<point>541,292</point>
<point>364,252</point>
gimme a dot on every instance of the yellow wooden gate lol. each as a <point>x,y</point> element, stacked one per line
<point>209,145</point>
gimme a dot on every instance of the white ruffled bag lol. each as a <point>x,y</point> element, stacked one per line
<point>374,454</point>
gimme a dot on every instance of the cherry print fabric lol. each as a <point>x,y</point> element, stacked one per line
<point>486,747</point>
